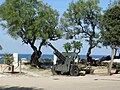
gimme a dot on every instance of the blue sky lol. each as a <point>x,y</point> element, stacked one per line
<point>10,45</point>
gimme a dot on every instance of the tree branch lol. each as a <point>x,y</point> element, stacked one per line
<point>83,31</point>
<point>42,43</point>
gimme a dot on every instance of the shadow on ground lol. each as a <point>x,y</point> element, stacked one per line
<point>19,88</point>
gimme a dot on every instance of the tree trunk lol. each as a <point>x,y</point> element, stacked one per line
<point>115,52</point>
<point>88,57</point>
<point>36,54</point>
<point>111,62</point>
<point>35,58</point>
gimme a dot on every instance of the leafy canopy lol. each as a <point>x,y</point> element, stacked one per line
<point>75,46</point>
<point>111,26</point>
<point>29,19</point>
<point>67,46</point>
<point>111,30</point>
<point>83,17</point>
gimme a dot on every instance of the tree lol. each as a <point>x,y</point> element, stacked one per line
<point>31,20</point>
<point>110,30</point>
<point>83,17</point>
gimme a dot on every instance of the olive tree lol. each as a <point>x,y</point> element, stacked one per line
<point>30,20</point>
<point>110,30</point>
<point>82,18</point>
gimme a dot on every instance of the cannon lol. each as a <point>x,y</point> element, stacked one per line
<point>65,63</point>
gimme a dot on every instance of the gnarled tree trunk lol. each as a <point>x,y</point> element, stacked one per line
<point>35,58</point>
<point>36,54</point>
<point>88,57</point>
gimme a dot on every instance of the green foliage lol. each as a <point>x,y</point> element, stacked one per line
<point>112,4</point>
<point>83,17</point>
<point>111,27</point>
<point>7,58</point>
<point>75,46</point>
<point>30,20</point>
<point>67,47</point>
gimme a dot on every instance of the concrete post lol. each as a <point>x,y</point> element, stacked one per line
<point>55,59</point>
<point>19,66</point>
<point>15,58</point>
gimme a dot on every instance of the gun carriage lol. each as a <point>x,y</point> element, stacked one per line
<point>66,63</point>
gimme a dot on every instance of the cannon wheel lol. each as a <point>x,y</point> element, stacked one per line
<point>53,70</point>
<point>74,71</point>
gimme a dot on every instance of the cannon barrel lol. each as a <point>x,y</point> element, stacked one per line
<point>57,53</point>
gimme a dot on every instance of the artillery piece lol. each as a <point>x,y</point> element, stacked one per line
<point>66,63</point>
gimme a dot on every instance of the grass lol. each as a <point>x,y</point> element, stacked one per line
<point>100,67</point>
<point>32,69</point>
<point>35,69</point>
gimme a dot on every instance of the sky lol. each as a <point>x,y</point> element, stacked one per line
<point>16,46</point>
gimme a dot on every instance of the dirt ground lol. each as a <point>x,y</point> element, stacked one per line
<point>44,80</point>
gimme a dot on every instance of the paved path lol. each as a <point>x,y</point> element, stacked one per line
<point>88,82</point>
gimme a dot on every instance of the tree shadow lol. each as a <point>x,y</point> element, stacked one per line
<point>20,88</point>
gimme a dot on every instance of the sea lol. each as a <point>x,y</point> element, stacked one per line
<point>48,56</point>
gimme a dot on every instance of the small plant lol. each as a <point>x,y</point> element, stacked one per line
<point>7,58</point>
<point>67,47</point>
<point>75,46</point>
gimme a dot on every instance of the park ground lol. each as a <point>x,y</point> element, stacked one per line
<point>44,80</point>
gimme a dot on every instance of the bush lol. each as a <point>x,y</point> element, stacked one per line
<point>7,58</point>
